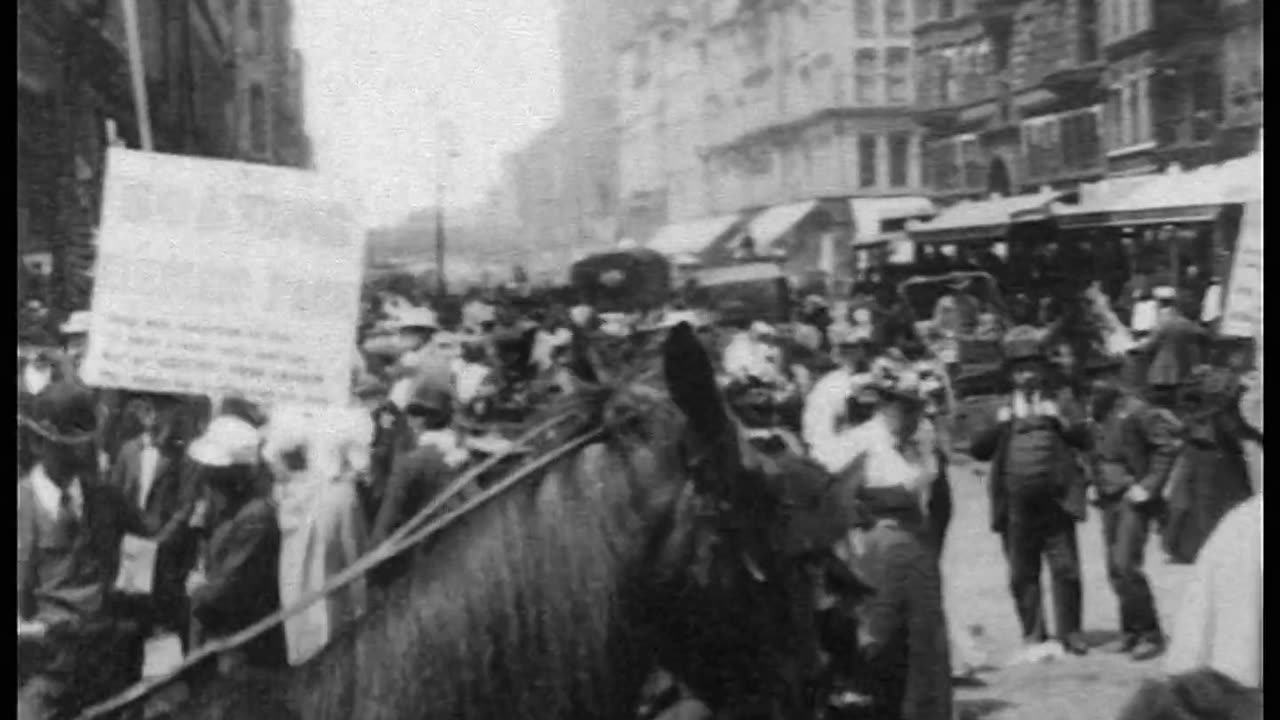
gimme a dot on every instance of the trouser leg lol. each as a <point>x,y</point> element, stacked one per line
<point>1125,555</point>
<point>1024,544</point>
<point>1063,555</point>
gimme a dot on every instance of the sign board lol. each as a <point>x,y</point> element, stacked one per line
<point>1242,309</point>
<point>215,277</point>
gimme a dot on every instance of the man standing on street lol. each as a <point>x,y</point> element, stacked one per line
<point>1037,493</point>
<point>1134,449</point>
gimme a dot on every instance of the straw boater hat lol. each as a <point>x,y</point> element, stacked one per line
<point>1164,293</point>
<point>416,319</point>
<point>77,324</point>
<point>227,441</point>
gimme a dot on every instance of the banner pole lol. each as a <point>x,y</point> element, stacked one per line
<point>137,74</point>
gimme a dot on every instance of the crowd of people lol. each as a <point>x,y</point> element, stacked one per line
<point>250,509</point>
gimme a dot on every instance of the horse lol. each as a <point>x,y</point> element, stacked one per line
<point>668,543</point>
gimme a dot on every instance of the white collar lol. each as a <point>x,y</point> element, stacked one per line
<point>49,495</point>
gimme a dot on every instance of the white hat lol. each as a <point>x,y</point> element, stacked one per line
<point>673,319</point>
<point>416,318</point>
<point>1164,292</point>
<point>762,329</point>
<point>581,315</point>
<point>77,324</point>
<point>227,441</point>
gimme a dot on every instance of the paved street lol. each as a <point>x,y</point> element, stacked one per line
<point>1074,688</point>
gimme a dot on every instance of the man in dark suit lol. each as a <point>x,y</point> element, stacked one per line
<point>1134,449</point>
<point>1173,349</point>
<point>422,473</point>
<point>1037,491</point>
<point>149,471</point>
<point>73,650</point>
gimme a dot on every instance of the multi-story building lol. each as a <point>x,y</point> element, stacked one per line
<point>1010,93</point>
<point>268,97</point>
<point>748,107</point>
<point>74,98</point>
<point>1016,95</point>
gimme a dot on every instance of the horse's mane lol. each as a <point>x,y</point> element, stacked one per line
<point>518,610</point>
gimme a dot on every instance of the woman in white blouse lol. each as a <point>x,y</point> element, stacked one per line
<point>893,464</point>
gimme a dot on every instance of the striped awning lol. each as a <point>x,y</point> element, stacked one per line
<point>686,240</point>
<point>770,225</point>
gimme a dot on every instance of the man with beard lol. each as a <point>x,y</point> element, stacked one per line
<point>1037,494</point>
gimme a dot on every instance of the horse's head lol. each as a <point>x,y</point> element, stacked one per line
<point>723,587</point>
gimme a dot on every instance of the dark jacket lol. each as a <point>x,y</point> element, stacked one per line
<point>1174,349</point>
<point>416,478</point>
<point>242,585</point>
<point>992,445</point>
<point>1141,440</point>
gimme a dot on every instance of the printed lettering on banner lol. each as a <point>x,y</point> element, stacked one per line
<point>1242,310</point>
<point>217,277</point>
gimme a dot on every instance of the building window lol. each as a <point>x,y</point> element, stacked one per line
<point>1081,148</point>
<point>895,18</point>
<point>867,161</point>
<point>255,35</point>
<point>971,157</point>
<point>864,18</point>
<point>944,78</point>
<point>899,159</point>
<point>865,74</point>
<point>898,75</point>
<point>257,120</point>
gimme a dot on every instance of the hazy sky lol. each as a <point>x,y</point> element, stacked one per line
<point>380,74</point>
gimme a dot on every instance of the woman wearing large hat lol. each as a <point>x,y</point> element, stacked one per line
<point>893,465</point>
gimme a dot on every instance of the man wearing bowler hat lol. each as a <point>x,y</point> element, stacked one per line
<point>1037,493</point>
<point>73,649</point>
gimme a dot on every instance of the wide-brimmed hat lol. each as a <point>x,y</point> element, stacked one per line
<point>77,324</point>
<point>64,409</point>
<point>1023,343</point>
<point>227,441</point>
<point>416,319</point>
<point>892,378</point>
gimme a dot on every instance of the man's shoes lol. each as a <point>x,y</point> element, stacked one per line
<point>1075,645</point>
<point>1121,646</point>
<point>1148,649</point>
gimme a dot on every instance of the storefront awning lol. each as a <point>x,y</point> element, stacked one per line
<point>1170,197</point>
<point>979,219</point>
<point>870,215</point>
<point>687,239</point>
<point>769,226</point>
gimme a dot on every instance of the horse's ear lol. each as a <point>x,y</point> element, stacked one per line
<point>691,381</point>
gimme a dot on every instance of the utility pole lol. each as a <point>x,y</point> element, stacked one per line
<point>446,150</point>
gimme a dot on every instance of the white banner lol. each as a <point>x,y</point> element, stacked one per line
<point>1242,309</point>
<point>217,277</point>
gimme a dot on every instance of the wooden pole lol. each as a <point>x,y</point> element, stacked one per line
<point>137,74</point>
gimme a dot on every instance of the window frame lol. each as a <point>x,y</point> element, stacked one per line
<point>868,161</point>
<point>899,139</point>
<point>869,75</point>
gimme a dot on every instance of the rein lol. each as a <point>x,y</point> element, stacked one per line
<point>403,540</point>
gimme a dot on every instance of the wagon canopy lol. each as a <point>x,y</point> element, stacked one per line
<point>623,280</point>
